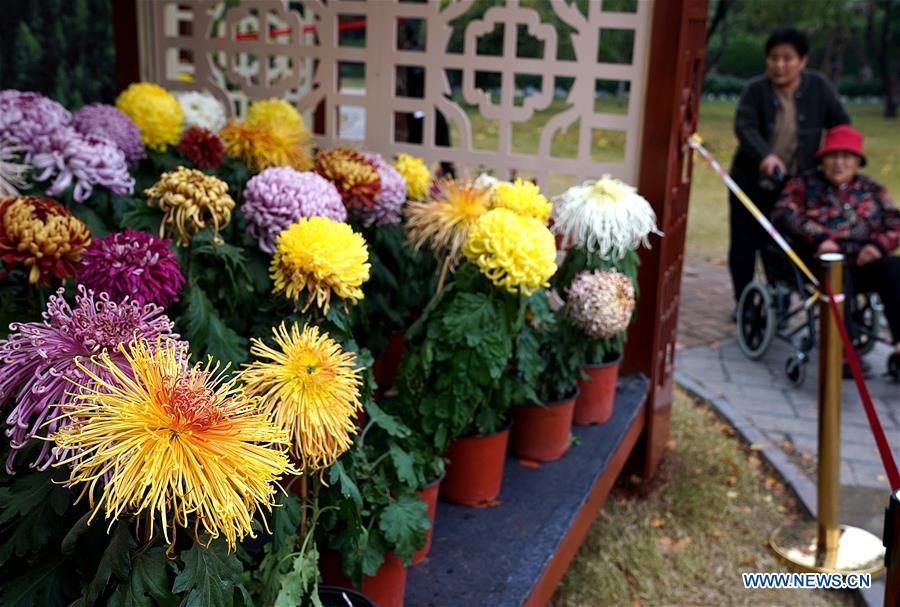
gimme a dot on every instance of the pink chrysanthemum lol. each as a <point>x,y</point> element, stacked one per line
<point>390,198</point>
<point>86,161</point>
<point>278,197</point>
<point>113,124</point>
<point>601,303</point>
<point>132,264</point>
<point>37,364</point>
<point>29,120</point>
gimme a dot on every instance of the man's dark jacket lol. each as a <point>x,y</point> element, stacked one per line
<point>817,107</point>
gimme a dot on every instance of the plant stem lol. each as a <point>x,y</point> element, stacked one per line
<point>305,499</point>
<point>444,269</point>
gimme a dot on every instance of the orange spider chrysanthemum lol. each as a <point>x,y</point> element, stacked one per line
<point>261,146</point>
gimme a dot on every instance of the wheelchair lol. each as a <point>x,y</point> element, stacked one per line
<point>782,307</point>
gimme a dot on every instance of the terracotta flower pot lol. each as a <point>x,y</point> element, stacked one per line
<point>595,403</point>
<point>475,468</point>
<point>388,363</point>
<point>386,588</point>
<point>429,495</point>
<point>541,432</point>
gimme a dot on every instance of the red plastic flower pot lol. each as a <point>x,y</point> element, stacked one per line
<point>595,403</point>
<point>387,365</point>
<point>475,468</point>
<point>429,495</point>
<point>386,588</point>
<point>541,432</point>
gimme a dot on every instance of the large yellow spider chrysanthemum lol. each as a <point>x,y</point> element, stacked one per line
<point>277,114</point>
<point>173,443</point>
<point>443,223</point>
<point>260,146</point>
<point>310,386</point>
<point>522,197</point>
<point>415,172</point>
<point>320,256</point>
<point>516,253</point>
<point>190,200</point>
<point>155,111</point>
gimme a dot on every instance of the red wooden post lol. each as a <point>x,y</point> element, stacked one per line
<point>670,116</point>
<point>125,37</point>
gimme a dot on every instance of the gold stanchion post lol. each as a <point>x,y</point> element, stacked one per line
<point>826,546</point>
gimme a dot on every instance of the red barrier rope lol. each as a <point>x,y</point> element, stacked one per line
<point>887,458</point>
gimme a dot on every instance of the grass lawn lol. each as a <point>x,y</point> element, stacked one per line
<point>686,537</point>
<point>707,236</point>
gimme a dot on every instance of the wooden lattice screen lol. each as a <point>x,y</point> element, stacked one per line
<point>555,94</point>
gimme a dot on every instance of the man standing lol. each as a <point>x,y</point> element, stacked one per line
<point>779,123</point>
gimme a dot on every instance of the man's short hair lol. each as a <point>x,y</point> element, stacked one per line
<point>789,35</point>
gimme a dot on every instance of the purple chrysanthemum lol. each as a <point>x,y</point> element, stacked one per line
<point>86,160</point>
<point>37,359</point>
<point>29,120</point>
<point>389,202</point>
<point>107,121</point>
<point>279,196</point>
<point>132,264</point>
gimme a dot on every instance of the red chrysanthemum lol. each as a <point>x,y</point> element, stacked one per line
<point>355,176</point>
<point>204,148</point>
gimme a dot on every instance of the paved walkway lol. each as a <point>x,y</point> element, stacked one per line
<point>780,419</point>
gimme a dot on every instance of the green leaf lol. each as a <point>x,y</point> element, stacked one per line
<point>285,520</point>
<point>404,523</point>
<point>467,316</point>
<point>207,330</point>
<point>337,474</point>
<point>386,421</point>
<point>404,464</point>
<point>116,560</point>
<point>148,585</point>
<point>210,576</point>
<point>137,214</point>
<point>41,585</point>
<point>300,584</point>
<point>30,511</point>
<point>91,219</point>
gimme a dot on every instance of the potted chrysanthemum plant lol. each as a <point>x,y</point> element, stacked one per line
<point>451,381</point>
<point>601,223</point>
<point>550,353</point>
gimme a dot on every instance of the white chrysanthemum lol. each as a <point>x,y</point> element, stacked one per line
<point>486,181</point>
<point>601,303</point>
<point>607,216</point>
<point>201,109</point>
<point>12,173</point>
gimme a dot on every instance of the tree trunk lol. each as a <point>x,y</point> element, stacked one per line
<point>865,73</point>
<point>889,76</point>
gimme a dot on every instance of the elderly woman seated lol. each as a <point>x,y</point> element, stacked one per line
<point>837,210</point>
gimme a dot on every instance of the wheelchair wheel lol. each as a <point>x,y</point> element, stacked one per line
<point>755,320</point>
<point>893,366</point>
<point>795,369</point>
<point>865,324</point>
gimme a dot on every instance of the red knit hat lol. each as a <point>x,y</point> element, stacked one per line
<point>843,138</point>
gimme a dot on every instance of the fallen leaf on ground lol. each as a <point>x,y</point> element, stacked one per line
<point>680,544</point>
<point>758,446</point>
<point>750,560</point>
<point>716,535</point>
<point>731,480</point>
<point>488,504</point>
<point>657,522</point>
<point>731,494</point>
<point>670,444</point>
<point>665,541</point>
<point>529,463</point>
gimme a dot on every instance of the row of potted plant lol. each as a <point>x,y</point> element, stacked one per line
<point>139,238</point>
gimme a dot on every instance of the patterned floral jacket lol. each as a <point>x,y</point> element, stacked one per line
<point>812,210</point>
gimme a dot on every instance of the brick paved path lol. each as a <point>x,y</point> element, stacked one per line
<point>756,398</point>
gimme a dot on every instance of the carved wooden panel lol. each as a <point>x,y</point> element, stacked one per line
<point>518,90</point>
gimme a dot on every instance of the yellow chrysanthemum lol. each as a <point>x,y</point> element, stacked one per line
<point>309,385</point>
<point>276,114</point>
<point>522,197</point>
<point>260,146</point>
<point>320,256</point>
<point>443,223</point>
<point>190,200</point>
<point>173,443</point>
<point>415,172</point>
<point>516,253</point>
<point>155,111</point>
